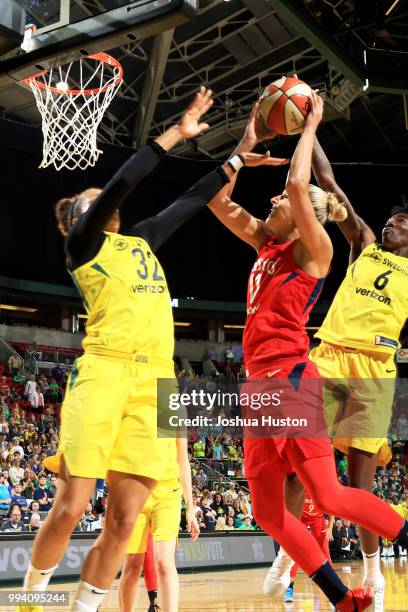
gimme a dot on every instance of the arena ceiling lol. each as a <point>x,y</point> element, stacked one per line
<point>354,52</point>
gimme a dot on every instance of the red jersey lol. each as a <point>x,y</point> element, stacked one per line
<point>279,300</point>
<point>310,510</point>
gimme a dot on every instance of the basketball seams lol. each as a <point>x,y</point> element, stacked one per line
<point>285,105</point>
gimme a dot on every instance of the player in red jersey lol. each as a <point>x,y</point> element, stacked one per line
<point>315,522</point>
<point>294,255</point>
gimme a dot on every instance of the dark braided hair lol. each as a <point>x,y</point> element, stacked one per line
<point>68,209</point>
<point>64,212</point>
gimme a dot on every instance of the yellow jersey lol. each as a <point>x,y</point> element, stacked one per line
<point>126,297</point>
<point>172,469</point>
<point>370,307</point>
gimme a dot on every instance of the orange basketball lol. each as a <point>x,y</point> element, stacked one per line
<point>284,105</point>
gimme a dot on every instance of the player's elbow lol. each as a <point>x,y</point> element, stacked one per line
<point>296,184</point>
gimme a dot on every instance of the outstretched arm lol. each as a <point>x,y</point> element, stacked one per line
<point>212,191</point>
<point>187,487</point>
<point>239,221</point>
<point>85,238</point>
<point>317,248</point>
<point>357,233</point>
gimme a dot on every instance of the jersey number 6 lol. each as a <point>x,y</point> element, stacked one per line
<point>382,281</point>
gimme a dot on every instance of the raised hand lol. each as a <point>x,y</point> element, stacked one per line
<point>254,159</point>
<point>315,114</point>
<point>189,125</point>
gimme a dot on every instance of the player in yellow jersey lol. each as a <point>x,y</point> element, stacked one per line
<point>109,413</point>
<point>359,337</point>
<point>161,515</point>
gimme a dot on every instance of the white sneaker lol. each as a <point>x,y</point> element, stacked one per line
<point>378,586</point>
<point>277,579</point>
<point>402,551</point>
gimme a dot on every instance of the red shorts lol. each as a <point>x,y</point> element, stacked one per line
<point>263,452</point>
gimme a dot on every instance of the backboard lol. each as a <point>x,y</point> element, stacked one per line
<point>66,29</point>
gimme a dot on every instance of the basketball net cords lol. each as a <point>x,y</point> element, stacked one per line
<point>70,121</point>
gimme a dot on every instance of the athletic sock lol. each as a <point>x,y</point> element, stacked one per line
<point>88,598</point>
<point>372,569</point>
<point>402,537</point>
<point>152,596</point>
<point>37,579</point>
<point>329,582</point>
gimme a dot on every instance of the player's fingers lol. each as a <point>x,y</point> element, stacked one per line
<point>208,104</point>
<point>203,127</point>
<point>278,161</point>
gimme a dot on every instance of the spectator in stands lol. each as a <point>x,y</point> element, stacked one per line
<point>27,483</point>
<point>18,498</point>
<point>14,364</point>
<point>54,486</point>
<point>13,524</point>
<point>16,446</point>
<point>4,388</point>
<point>202,478</point>
<point>229,355</point>
<point>31,391</point>
<point>239,514</point>
<point>53,393</point>
<point>200,520</point>
<point>220,524</point>
<point>217,450</point>
<point>5,497</point>
<point>199,449</point>
<point>246,524</point>
<point>218,505</point>
<point>210,515</point>
<point>44,497</point>
<point>34,524</point>
<point>246,506</point>
<point>241,376</point>
<point>58,374</point>
<point>349,538</point>
<point>35,506</point>
<point>229,523</point>
<point>88,517</point>
<point>16,472</point>
<point>67,367</point>
<point>6,480</point>
<point>228,500</point>
<point>232,490</point>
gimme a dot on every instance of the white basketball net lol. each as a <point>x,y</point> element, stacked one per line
<point>72,109</point>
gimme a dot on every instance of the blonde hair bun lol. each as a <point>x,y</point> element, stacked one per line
<point>336,209</point>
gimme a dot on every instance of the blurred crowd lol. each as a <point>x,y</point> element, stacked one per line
<point>29,432</point>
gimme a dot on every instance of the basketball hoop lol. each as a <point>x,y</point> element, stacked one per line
<point>72,100</point>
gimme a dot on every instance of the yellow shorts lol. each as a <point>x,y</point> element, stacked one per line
<point>358,397</point>
<point>160,514</point>
<point>109,417</point>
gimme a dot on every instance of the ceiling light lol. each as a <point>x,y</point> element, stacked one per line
<point>20,308</point>
<point>182,324</point>
<point>233,327</point>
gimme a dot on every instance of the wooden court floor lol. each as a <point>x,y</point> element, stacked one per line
<point>241,591</point>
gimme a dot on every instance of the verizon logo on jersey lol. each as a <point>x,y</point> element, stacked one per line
<point>373,294</point>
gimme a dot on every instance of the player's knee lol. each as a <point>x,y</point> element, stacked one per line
<point>66,515</point>
<point>120,526</point>
<point>133,566</point>
<point>164,566</point>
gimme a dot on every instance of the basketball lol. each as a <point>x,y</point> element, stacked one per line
<point>284,105</point>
